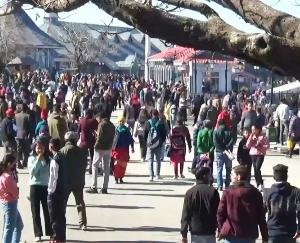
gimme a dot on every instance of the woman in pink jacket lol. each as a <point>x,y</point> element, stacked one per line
<point>258,144</point>
<point>9,195</point>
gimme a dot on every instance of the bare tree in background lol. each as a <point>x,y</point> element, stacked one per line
<point>83,47</point>
<point>277,48</point>
<point>7,47</point>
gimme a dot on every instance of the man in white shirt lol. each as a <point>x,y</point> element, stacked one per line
<point>282,114</point>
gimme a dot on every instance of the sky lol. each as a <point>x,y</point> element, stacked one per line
<point>89,13</point>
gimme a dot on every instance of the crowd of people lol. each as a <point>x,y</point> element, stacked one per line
<point>60,127</point>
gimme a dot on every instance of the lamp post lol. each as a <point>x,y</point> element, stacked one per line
<point>195,71</point>
<point>272,86</point>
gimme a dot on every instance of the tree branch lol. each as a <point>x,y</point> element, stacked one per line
<point>193,5</point>
<point>264,17</point>
<point>55,5</point>
<point>214,35</point>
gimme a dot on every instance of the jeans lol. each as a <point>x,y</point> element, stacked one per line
<point>239,240</point>
<point>57,212</point>
<point>38,196</point>
<point>13,223</point>
<point>151,153</point>
<point>203,239</point>
<point>284,130</point>
<point>222,159</point>
<point>80,205</point>
<point>98,156</point>
<point>281,239</point>
<point>143,146</point>
<point>257,161</point>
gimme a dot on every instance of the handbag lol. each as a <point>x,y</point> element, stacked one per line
<point>290,143</point>
<point>168,150</point>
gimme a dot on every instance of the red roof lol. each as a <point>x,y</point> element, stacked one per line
<point>184,54</point>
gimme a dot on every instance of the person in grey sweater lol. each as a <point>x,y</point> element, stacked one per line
<point>248,117</point>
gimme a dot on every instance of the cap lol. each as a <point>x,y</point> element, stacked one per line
<point>71,136</point>
<point>10,112</point>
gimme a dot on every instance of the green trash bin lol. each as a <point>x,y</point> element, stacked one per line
<point>272,134</point>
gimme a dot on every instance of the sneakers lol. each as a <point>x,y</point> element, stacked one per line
<point>38,239</point>
<point>104,191</point>
<point>92,190</point>
<point>182,176</point>
<point>175,177</point>
<point>158,177</point>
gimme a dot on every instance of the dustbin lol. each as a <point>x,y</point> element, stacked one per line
<point>272,134</point>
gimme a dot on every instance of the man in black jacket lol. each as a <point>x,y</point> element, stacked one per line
<point>283,205</point>
<point>200,209</point>
<point>8,132</point>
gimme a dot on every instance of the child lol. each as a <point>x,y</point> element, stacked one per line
<point>9,194</point>
<point>243,156</point>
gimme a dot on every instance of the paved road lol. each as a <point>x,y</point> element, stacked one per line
<point>138,211</point>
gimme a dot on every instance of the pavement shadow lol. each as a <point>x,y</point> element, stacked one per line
<point>132,229</point>
<point>114,241</point>
<point>113,206</point>
<point>142,189</point>
<point>150,195</point>
<point>166,183</point>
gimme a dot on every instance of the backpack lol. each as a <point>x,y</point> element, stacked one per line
<point>153,139</point>
<point>177,140</point>
<point>211,115</point>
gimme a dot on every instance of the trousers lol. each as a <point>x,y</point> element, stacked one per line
<point>99,156</point>
<point>13,223</point>
<point>203,239</point>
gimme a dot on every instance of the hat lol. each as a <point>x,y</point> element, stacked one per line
<point>44,114</point>
<point>71,136</point>
<point>121,118</point>
<point>10,112</point>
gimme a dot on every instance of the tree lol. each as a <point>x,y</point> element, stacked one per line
<point>277,48</point>
<point>7,47</point>
<point>83,47</point>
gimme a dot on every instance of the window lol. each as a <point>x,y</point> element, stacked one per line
<point>211,81</point>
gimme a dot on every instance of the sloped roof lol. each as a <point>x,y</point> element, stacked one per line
<point>22,61</point>
<point>128,43</point>
<point>24,32</point>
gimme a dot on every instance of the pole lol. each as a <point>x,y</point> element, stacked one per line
<point>195,74</point>
<point>147,54</point>
<point>226,78</point>
<point>272,87</point>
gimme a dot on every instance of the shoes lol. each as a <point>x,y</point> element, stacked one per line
<point>20,166</point>
<point>104,191</point>
<point>158,177</point>
<point>175,177</point>
<point>182,176</point>
<point>91,190</point>
<point>121,180</point>
<point>261,187</point>
<point>151,178</point>
<point>38,239</point>
<point>116,180</point>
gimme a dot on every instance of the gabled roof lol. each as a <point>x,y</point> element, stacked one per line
<point>24,32</point>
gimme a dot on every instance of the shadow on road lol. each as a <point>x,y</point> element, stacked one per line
<point>142,189</point>
<point>113,206</point>
<point>150,195</point>
<point>166,183</point>
<point>138,241</point>
<point>132,229</point>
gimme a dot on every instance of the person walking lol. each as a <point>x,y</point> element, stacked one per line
<point>9,195</point>
<point>38,167</point>
<point>294,131</point>
<point>243,156</point>
<point>224,142</point>
<point>282,115</point>
<point>155,134</point>
<point>249,117</point>
<point>258,144</point>
<point>282,202</point>
<point>139,131</point>
<point>120,153</point>
<point>87,133</point>
<point>8,132</point>
<point>23,134</point>
<point>241,211</point>
<point>75,162</point>
<point>57,124</point>
<point>42,125</point>
<point>56,192</point>
<point>199,213</point>
<point>102,152</point>
<point>178,138</point>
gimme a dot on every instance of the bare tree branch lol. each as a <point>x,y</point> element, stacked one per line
<point>193,5</point>
<point>265,17</point>
<point>55,5</point>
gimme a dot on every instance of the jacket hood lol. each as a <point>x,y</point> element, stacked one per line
<point>283,188</point>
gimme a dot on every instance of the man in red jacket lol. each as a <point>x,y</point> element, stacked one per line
<point>241,210</point>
